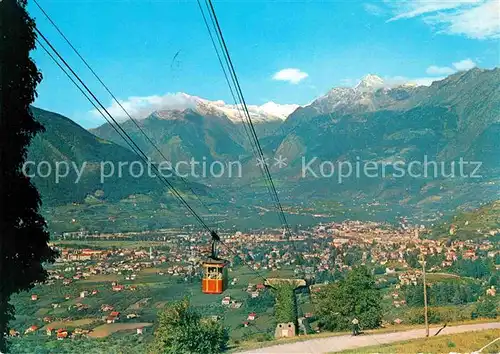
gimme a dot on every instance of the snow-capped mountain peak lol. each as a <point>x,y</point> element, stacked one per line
<point>370,83</point>
<point>170,105</point>
<point>266,112</point>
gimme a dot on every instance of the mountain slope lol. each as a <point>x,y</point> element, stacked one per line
<point>442,124</point>
<point>182,135</point>
<point>455,118</point>
<point>66,142</point>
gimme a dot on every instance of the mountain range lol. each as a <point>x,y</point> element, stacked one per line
<point>452,119</point>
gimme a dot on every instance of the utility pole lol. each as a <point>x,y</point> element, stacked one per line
<point>425,296</point>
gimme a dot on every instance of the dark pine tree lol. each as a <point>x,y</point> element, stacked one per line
<point>23,235</point>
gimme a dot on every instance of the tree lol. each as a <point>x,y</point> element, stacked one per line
<point>237,261</point>
<point>181,330</point>
<point>412,259</point>
<point>23,235</point>
<point>355,296</point>
<point>486,308</point>
<point>285,306</point>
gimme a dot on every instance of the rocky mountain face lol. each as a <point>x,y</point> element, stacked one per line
<point>442,124</point>
<point>452,119</point>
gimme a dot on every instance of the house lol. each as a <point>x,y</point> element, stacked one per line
<point>113,317</point>
<point>235,305</point>
<point>34,297</point>
<point>251,316</point>
<point>390,270</point>
<point>118,287</point>
<point>48,331</point>
<point>469,254</point>
<point>226,300</point>
<point>31,329</point>
<point>94,292</point>
<point>398,321</point>
<point>140,330</point>
<point>260,286</point>
<point>245,324</point>
<point>47,319</point>
<point>13,333</point>
<point>308,315</point>
<point>61,334</point>
<point>105,308</point>
<point>84,293</point>
<point>491,291</point>
<point>254,294</point>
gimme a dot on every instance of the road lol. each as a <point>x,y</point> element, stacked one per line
<point>344,342</point>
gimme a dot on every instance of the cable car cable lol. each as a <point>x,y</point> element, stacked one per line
<point>263,165</point>
<point>77,86</point>
<point>237,105</point>
<point>254,137</point>
<point>116,100</point>
<point>123,134</point>
<point>142,155</point>
<point>243,118</point>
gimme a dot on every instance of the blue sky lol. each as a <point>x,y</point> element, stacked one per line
<point>131,44</point>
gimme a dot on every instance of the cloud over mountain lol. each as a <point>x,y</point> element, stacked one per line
<point>141,107</point>
<point>291,75</point>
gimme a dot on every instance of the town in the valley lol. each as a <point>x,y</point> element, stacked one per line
<point>114,284</point>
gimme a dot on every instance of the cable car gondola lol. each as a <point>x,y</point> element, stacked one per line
<point>214,271</point>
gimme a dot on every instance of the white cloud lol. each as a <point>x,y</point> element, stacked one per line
<point>437,73</point>
<point>141,107</point>
<point>277,110</point>
<point>465,64</point>
<point>462,65</point>
<point>439,70</point>
<point>292,75</point>
<point>478,19</point>
<point>414,8</point>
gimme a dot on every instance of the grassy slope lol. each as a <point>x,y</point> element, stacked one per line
<point>251,344</point>
<point>472,224</point>
<point>460,342</point>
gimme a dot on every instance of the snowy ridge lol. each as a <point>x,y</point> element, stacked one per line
<point>269,111</point>
<point>266,112</point>
<point>365,96</point>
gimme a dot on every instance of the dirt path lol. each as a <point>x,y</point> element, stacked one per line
<point>344,342</point>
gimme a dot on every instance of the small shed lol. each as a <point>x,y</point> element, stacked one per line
<point>284,330</point>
